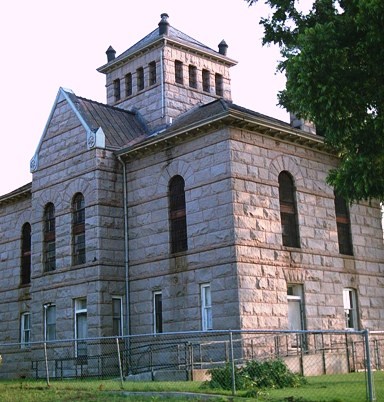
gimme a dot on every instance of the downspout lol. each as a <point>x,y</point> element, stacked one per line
<point>126,253</point>
<point>162,81</point>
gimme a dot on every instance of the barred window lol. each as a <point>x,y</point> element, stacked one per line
<point>177,215</point>
<point>128,84</point>
<point>25,274</point>
<point>192,71</point>
<point>343,226</point>
<point>179,72</point>
<point>49,238</point>
<point>140,78</point>
<point>78,229</point>
<point>152,73</point>
<point>288,211</point>
<point>116,89</point>
<point>219,84</point>
<point>206,81</point>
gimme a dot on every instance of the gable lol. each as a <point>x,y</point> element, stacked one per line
<point>85,124</point>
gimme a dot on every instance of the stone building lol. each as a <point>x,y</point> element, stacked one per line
<point>171,208</point>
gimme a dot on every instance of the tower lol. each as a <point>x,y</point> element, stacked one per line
<point>165,74</point>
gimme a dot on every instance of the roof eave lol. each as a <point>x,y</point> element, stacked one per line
<point>163,39</point>
<point>18,194</point>
<point>238,119</point>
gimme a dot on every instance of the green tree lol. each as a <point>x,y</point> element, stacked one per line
<point>333,59</point>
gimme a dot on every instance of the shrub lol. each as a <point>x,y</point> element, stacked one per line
<point>256,375</point>
<point>272,374</point>
<point>222,378</point>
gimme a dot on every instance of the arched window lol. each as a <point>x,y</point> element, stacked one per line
<point>343,226</point>
<point>177,215</point>
<point>78,229</point>
<point>49,238</point>
<point>288,211</point>
<point>25,273</point>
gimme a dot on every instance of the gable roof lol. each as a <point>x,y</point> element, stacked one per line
<point>106,126</point>
<point>173,36</point>
<point>119,126</point>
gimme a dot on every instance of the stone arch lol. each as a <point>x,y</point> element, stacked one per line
<point>46,196</point>
<point>82,186</point>
<point>289,164</point>
<point>177,167</point>
<point>24,217</point>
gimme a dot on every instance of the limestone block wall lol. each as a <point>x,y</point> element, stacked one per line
<point>67,167</point>
<point>265,266</point>
<point>14,299</point>
<point>204,164</point>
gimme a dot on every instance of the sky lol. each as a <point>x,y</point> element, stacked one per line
<point>47,45</point>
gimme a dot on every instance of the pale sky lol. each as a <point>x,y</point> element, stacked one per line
<point>46,45</point>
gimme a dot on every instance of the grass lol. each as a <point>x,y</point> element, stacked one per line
<point>328,388</point>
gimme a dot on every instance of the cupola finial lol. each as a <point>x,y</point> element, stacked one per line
<point>164,24</point>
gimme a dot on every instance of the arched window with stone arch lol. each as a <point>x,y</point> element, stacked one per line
<point>25,269</point>
<point>177,215</point>
<point>288,210</point>
<point>78,229</point>
<point>49,238</point>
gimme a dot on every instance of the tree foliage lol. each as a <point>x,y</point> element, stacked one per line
<point>333,58</point>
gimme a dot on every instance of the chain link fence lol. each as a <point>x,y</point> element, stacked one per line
<point>195,356</point>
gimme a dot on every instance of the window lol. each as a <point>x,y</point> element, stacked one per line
<point>49,238</point>
<point>49,322</point>
<point>296,314</point>
<point>343,226</point>
<point>128,84</point>
<point>157,312</point>
<point>219,84</point>
<point>350,308</point>
<point>25,330</point>
<point>140,78</point>
<point>25,276</point>
<point>288,212</point>
<point>192,71</point>
<point>78,229</point>
<point>116,89</point>
<point>206,307</point>
<point>179,72</point>
<point>177,215</point>
<point>152,73</point>
<point>81,329</point>
<point>117,316</point>
<point>206,81</point>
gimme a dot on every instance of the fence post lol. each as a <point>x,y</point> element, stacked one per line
<point>119,359</point>
<point>232,362</point>
<point>370,391</point>
<point>46,363</point>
